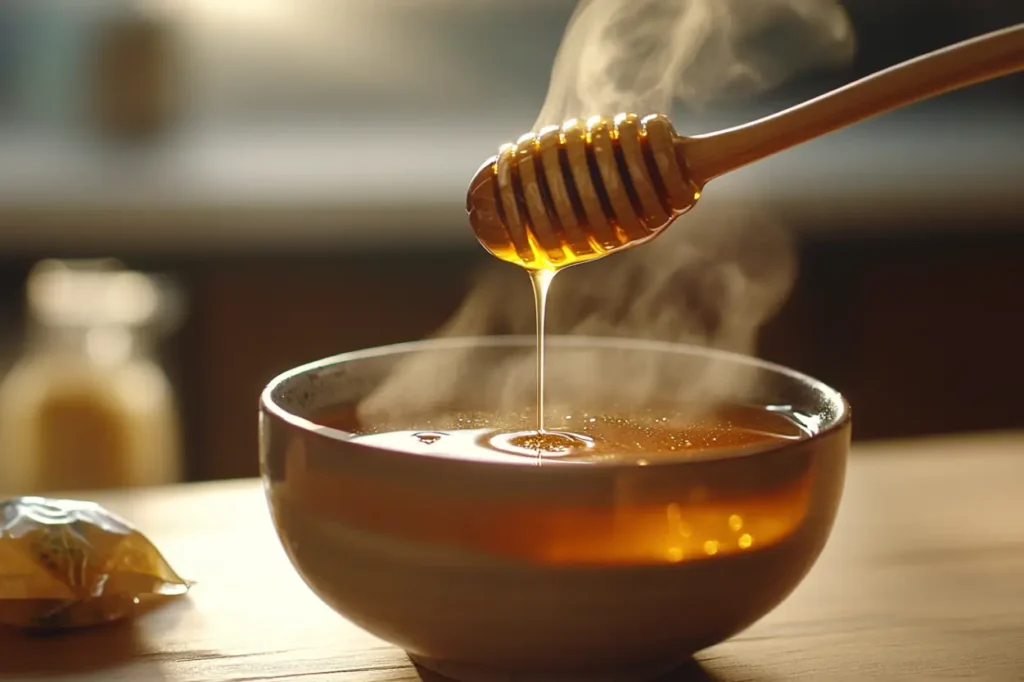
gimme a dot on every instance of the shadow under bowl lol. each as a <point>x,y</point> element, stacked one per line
<point>458,561</point>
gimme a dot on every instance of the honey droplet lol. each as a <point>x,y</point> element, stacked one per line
<point>429,437</point>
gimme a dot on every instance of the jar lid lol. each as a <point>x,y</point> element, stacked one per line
<point>100,292</point>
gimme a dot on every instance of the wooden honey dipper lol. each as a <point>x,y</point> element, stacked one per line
<point>578,191</point>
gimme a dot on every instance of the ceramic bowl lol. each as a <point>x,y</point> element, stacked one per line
<point>481,571</point>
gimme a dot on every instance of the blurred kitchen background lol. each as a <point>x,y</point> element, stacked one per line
<point>198,194</point>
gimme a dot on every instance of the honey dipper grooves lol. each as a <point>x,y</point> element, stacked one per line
<point>578,191</point>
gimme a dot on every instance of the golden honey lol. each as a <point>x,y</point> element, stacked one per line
<point>680,524</point>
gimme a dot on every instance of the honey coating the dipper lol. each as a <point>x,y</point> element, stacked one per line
<point>70,564</point>
<point>576,192</point>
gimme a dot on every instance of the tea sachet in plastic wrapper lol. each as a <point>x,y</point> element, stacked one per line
<point>68,564</point>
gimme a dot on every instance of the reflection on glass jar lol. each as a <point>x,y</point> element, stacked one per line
<point>88,406</point>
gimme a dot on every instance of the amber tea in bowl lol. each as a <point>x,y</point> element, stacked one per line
<point>692,492</point>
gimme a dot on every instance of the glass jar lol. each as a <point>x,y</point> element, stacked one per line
<point>88,406</point>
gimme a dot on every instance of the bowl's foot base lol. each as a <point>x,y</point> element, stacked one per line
<point>471,672</point>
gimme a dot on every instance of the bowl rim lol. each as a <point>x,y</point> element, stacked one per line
<point>270,406</point>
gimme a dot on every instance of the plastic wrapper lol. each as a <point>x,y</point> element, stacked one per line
<point>69,564</point>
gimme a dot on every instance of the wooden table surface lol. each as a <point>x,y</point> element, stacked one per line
<point>923,579</point>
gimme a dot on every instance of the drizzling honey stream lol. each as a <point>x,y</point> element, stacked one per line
<point>570,194</point>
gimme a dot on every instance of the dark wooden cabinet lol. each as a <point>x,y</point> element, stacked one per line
<point>922,331</point>
<point>923,334</point>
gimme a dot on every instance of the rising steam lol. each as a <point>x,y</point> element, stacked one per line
<point>640,55</point>
<point>711,280</point>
